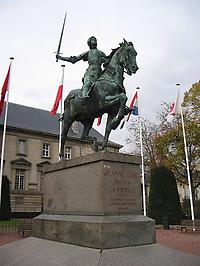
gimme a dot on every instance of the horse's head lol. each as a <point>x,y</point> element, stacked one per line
<point>128,57</point>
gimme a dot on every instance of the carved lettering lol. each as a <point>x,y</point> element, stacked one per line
<point>120,189</point>
<point>119,173</point>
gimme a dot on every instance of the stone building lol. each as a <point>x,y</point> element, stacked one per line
<point>31,143</point>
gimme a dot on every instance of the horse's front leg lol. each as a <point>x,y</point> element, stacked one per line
<point>122,110</point>
<point>123,99</point>
<point>108,130</point>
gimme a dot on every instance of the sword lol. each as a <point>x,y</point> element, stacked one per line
<point>61,35</point>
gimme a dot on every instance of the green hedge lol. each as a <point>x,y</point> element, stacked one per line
<point>5,209</point>
<point>164,201</point>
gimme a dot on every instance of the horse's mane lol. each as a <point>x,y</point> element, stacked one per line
<point>105,65</point>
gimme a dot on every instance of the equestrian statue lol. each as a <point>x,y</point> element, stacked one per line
<point>102,91</point>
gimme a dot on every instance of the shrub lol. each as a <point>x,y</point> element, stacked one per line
<point>164,201</point>
<point>5,210</point>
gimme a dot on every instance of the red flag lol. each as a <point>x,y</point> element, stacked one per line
<point>4,90</point>
<point>99,121</point>
<point>134,105</point>
<point>58,98</point>
<point>171,111</point>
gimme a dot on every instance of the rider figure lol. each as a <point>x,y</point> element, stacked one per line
<point>95,59</point>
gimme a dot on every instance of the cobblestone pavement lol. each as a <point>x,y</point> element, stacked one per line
<point>187,242</point>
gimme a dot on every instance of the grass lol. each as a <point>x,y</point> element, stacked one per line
<point>8,222</point>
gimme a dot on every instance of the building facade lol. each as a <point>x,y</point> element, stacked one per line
<point>31,143</point>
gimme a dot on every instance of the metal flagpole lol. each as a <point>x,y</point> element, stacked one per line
<point>142,165</point>
<point>61,111</point>
<point>188,170</point>
<point>4,132</point>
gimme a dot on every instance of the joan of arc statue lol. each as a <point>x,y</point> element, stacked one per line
<point>95,59</point>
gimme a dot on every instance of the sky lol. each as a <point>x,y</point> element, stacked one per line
<point>165,34</point>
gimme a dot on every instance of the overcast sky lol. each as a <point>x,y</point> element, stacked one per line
<point>166,35</point>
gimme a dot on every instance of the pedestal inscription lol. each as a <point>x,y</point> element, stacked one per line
<point>121,189</point>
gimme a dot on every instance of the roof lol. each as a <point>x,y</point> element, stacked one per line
<point>40,121</point>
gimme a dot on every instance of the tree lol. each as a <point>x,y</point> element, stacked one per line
<point>163,196</point>
<point>170,145</point>
<point>5,209</point>
<point>163,141</point>
<point>149,133</point>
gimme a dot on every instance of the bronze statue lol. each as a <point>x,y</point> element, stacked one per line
<point>107,93</point>
<point>95,59</point>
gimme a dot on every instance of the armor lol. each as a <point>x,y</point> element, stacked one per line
<point>95,59</point>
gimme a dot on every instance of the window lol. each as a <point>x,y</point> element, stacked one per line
<point>46,150</point>
<point>22,146</point>
<point>19,179</point>
<point>68,153</point>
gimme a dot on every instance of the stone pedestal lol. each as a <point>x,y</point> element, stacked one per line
<point>94,201</point>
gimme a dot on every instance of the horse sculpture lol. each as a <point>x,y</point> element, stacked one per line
<point>107,95</point>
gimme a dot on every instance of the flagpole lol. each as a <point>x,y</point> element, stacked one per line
<point>61,112</point>
<point>188,170</point>
<point>4,133</point>
<point>142,156</point>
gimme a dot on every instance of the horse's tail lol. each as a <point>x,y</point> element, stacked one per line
<point>70,96</point>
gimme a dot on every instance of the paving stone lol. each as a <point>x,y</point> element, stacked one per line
<point>147,255</point>
<point>45,252</point>
<point>34,251</point>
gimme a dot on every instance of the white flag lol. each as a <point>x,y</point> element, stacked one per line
<point>176,106</point>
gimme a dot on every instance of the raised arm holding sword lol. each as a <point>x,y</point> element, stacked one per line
<point>94,57</point>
